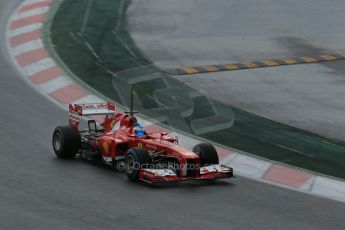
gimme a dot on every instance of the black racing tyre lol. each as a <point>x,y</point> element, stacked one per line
<point>135,159</point>
<point>207,154</point>
<point>66,141</point>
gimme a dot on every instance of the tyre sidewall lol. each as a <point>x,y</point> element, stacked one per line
<point>140,157</point>
<point>207,154</point>
<point>135,173</point>
<point>69,140</point>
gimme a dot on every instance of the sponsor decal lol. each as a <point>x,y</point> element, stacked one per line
<point>105,147</point>
<point>74,117</point>
<point>94,106</point>
<point>176,154</point>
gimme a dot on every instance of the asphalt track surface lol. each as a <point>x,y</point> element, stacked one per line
<point>177,34</point>
<point>39,191</point>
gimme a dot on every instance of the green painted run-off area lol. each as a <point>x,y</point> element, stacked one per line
<point>91,38</point>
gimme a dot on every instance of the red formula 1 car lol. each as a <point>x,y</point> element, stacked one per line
<point>122,143</point>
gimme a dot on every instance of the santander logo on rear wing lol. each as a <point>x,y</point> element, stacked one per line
<point>77,111</point>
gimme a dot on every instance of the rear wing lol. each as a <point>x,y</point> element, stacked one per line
<point>77,111</point>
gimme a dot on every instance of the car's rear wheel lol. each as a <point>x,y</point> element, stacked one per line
<point>66,141</point>
<point>135,160</point>
<point>207,154</point>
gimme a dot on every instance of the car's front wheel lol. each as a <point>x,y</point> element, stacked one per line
<point>135,160</point>
<point>66,141</point>
<point>207,153</point>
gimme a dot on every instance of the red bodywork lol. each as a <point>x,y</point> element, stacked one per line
<point>118,136</point>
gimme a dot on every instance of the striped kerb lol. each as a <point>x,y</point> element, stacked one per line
<point>23,38</point>
<point>68,94</point>
<point>35,5</point>
<point>31,57</point>
<point>27,21</point>
<point>287,176</point>
<point>46,75</point>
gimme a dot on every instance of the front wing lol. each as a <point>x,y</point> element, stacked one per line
<point>167,175</point>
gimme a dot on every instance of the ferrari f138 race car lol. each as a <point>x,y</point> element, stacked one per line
<point>121,142</point>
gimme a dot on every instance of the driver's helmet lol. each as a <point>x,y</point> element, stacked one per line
<point>138,130</point>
